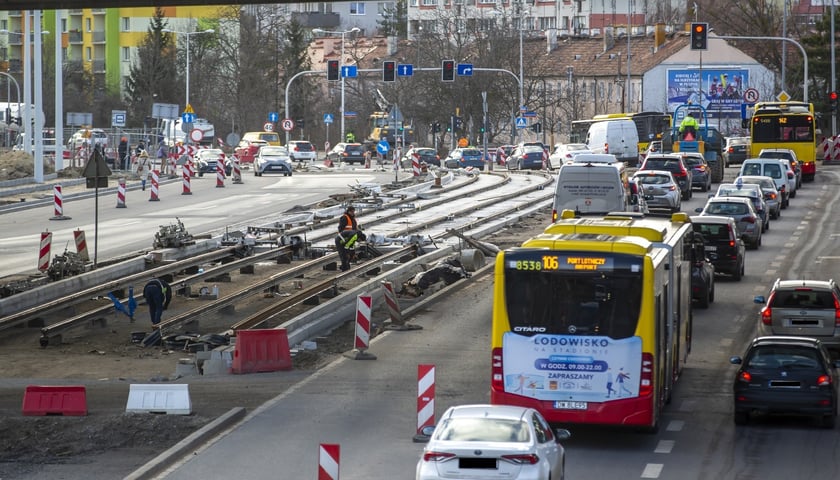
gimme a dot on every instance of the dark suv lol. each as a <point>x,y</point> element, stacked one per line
<point>723,243</point>
<point>673,163</point>
<point>807,308</point>
<point>785,375</point>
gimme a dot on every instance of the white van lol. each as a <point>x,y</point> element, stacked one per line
<point>589,188</point>
<point>773,168</point>
<point>617,137</point>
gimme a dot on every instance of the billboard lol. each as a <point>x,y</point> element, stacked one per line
<point>721,89</point>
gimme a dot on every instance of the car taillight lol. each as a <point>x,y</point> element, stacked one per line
<point>522,459</point>
<point>824,380</point>
<point>772,196</point>
<point>702,168</point>
<point>731,149</point>
<point>836,312</point>
<point>672,187</point>
<point>744,377</point>
<point>681,173</point>
<point>497,378</point>
<point>437,456</point>
<point>749,219</point>
<point>606,148</point>
<point>646,379</point>
<point>767,315</point>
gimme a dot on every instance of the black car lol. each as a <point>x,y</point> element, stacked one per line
<point>673,163</point>
<point>737,150</point>
<point>348,153</point>
<point>785,375</point>
<point>722,242</point>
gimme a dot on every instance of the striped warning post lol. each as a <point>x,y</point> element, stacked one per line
<point>544,160</point>
<point>835,151</point>
<point>121,193</point>
<point>394,311</point>
<point>220,174</point>
<point>44,251</point>
<point>415,165</point>
<point>155,183</point>
<point>328,461</point>
<point>362,341</point>
<point>826,148</point>
<point>237,171</point>
<point>173,166</point>
<point>185,180</point>
<point>81,244</point>
<point>425,399</point>
<point>58,204</point>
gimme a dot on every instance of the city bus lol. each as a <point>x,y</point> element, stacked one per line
<point>651,126</point>
<point>592,319</point>
<point>790,125</point>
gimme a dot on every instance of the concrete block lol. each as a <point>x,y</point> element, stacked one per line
<point>154,398</point>
<point>186,367</point>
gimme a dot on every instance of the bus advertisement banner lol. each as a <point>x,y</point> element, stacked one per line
<point>722,89</point>
<point>572,368</point>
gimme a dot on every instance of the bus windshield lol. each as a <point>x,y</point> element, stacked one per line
<point>603,302</point>
<point>783,128</point>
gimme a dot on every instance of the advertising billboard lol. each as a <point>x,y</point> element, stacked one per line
<point>721,90</point>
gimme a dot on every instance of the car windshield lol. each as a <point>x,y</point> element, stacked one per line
<point>274,151</point>
<point>722,208</point>
<point>303,146</point>
<point>483,430</point>
<point>532,150</point>
<point>270,137</point>
<point>783,356</point>
<point>738,141</point>
<point>782,155</point>
<point>712,231</point>
<point>425,151</point>
<point>737,192</point>
<point>471,153</point>
<point>654,179</point>
<point>662,164</point>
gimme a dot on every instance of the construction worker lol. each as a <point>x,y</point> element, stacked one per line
<point>122,153</point>
<point>348,235</point>
<point>351,137</point>
<point>158,294</point>
<point>688,127</point>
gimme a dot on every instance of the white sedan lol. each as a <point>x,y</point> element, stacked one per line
<point>565,152</point>
<point>273,159</point>
<point>499,441</point>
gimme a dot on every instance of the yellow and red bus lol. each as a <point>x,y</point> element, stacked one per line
<point>789,125</point>
<point>592,319</point>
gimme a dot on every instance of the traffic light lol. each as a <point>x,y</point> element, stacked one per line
<point>699,36</point>
<point>8,116</point>
<point>537,127</point>
<point>447,71</point>
<point>436,127</point>
<point>332,70</point>
<point>300,123</point>
<point>458,123</point>
<point>832,99</point>
<point>389,71</point>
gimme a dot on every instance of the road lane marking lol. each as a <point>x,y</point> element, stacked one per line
<point>675,426</point>
<point>652,470</point>
<point>664,446</point>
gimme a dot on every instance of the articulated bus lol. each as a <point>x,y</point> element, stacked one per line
<point>789,125</point>
<point>592,319</point>
<point>649,125</point>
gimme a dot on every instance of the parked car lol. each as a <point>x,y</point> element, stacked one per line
<point>785,154</point>
<point>498,441</point>
<point>702,273</point>
<point>301,151</point>
<point>348,153</point>
<point>526,157</point>
<point>565,152</point>
<point>788,375</point>
<point>674,164</point>
<point>246,151</point>
<point>748,190</point>
<point>701,174</point>
<point>723,243</point>
<point>206,160</point>
<point>464,157</point>
<point>87,136</point>
<point>768,188</point>
<point>271,160</point>
<point>807,308</point>
<point>742,211</point>
<point>425,155</point>
<point>736,150</point>
<point>660,189</point>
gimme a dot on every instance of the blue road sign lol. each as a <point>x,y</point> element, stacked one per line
<point>188,117</point>
<point>382,147</point>
<point>744,112</point>
<point>273,117</point>
<point>521,122</point>
<point>529,114</point>
<point>465,69</point>
<point>405,70</point>
<point>328,118</point>
<point>349,71</point>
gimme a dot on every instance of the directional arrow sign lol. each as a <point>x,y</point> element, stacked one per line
<point>405,70</point>
<point>349,71</point>
<point>465,69</point>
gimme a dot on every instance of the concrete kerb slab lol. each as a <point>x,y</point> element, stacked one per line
<point>166,459</point>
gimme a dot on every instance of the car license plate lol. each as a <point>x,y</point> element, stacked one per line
<point>711,249</point>
<point>570,405</point>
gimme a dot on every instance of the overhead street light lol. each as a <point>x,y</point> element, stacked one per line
<point>319,31</point>
<point>188,35</point>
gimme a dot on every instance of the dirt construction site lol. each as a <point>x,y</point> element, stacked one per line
<point>107,442</point>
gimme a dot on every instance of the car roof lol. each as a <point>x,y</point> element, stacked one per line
<point>730,200</point>
<point>510,412</point>
<point>804,283</point>
<point>647,173</point>
<point>715,219</point>
<point>786,340</point>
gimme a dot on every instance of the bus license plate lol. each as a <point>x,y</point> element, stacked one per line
<point>570,405</point>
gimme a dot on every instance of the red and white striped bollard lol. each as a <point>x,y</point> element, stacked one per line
<point>237,171</point>
<point>415,165</point>
<point>81,244</point>
<point>58,204</point>
<point>44,251</point>
<point>121,193</point>
<point>329,456</point>
<point>425,399</point>
<point>362,333</point>
<point>220,173</point>
<point>186,178</point>
<point>155,183</point>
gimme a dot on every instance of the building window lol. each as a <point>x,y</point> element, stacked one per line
<point>4,24</point>
<point>357,8</point>
<point>382,8</point>
<point>126,54</point>
<point>88,54</point>
<point>412,3</point>
<point>126,24</point>
<point>429,3</point>
<point>88,24</point>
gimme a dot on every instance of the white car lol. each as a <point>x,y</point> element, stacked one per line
<point>566,152</point>
<point>499,441</point>
<point>272,159</point>
<point>301,151</point>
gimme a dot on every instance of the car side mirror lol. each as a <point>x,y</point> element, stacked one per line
<point>759,299</point>
<point>698,210</point>
<point>561,434</point>
<point>736,360</point>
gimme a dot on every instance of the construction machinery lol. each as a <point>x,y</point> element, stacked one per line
<point>388,123</point>
<point>708,141</point>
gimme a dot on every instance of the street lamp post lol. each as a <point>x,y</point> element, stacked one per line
<point>319,31</point>
<point>188,35</point>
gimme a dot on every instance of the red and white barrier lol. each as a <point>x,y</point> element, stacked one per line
<point>220,174</point>
<point>173,166</point>
<point>362,340</point>
<point>121,193</point>
<point>391,301</point>
<point>328,461</point>
<point>835,151</point>
<point>425,396</point>
<point>237,171</point>
<point>826,148</point>
<point>185,180</point>
<point>44,251</point>
<point>415,166</point>
<point>81,245</point>
<point>58,204</point>
<point>155,184</point>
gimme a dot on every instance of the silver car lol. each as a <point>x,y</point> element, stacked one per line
<point>272,159</point>
<point>660,189</point>
<point>771,193</point>
<point>806,308</point>
<point>742,211</point>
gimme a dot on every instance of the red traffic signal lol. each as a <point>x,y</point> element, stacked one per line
<point>389,73</point>
<point>447,73</point>
<point>832,96</point>
<point>332,70</point>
